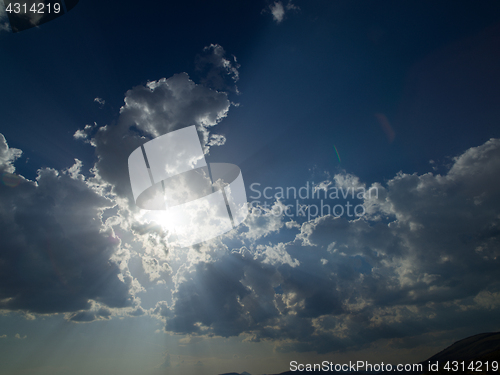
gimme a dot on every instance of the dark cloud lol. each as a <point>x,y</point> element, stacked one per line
<point>150,111</point>
<point>55,253</point>
<point>212,298</point>
<point>431,266</point>
<point>100,101</point>
<point>424,258</point>
<point>7,156</point>
<point>137,312</point>
<point>59,251</point>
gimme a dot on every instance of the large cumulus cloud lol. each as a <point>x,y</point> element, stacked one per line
<point>424,258</point>
<point>55,253</point>
<point>150,111</point>
<point>69,243</point>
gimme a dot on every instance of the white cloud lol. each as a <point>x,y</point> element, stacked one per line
<point>51,231</point>
<point>218,71</point>
<point>426,256</point>
<point>426,251</point>
<point>263,221</point>
<point>150,111</point>
<point>278,10</point>
<point>7,156</point>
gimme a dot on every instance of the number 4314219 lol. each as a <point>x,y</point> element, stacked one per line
<point>38,8</point>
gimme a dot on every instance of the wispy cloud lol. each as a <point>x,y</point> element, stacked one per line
<point>404,268</point>
<point>278,10</point>
<point>218,71</point>
<point>100,101</point>
<point>57,212</point>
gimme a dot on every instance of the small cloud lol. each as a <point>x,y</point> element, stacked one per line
<point>217,140</point>
<point>278,10</point>
<point>8,155</point>
<point>85,133</point>
<point>29,316</point>
<point>3,337</point>
<point>218,71</point>
<point>100,101</point>
<point>292,224</point>
<point>18,336</point>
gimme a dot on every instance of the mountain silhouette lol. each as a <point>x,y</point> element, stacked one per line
<point>482,347</point>
<point>472,348</point>
<point>477,349</point>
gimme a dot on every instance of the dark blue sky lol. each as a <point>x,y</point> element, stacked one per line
<point>306,84</point>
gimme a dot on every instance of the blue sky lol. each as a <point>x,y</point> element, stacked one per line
<point>325,95</point>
